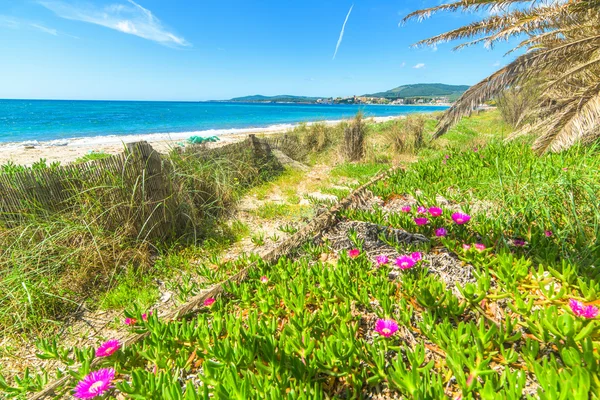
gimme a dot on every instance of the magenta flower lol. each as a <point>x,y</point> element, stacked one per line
<point>405,262</point>
<point>548,233</point>
<point>460,218</point>
<point>95,384</point>
<point>406,209</point>
<point>519,242</point>
<point>421,210</point>
<point>264,279</point>
<point>416,256</point>
<point>386,327</point>
<point>354,253</point>
<point>130,321</point>
<point>382,260</point>
<point>441,232</point>
<point>145,316</point>
<point>435,211</point>
<point>444,162</point>
<point>466,247</point>
<point>421,221</point>
<point>479,246</point>
<point>581,310</point>
<point>108,348</point>
<point>209,302</point>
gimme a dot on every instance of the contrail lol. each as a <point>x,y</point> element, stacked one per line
<point>342,32</point>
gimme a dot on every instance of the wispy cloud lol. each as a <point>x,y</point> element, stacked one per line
<point>18,23</point>
<point>403,64</point>
<point>129,17</point>
<point>9,22</point>
<point>45,29</point>
<point>339,42</point>
<point>496,64</point>
<point>419,66</point>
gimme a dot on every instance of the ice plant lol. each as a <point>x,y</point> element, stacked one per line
<point>145,316</point>
<point>479,246</point>
<point>95,384</point>
<point>460,218</point>
<point>581,310</point>
<point>466,247</point>
<point>209,302</point>
<point>416,256</point>
<point>406,209</point>
<point>435,211</point>
<point>548,233</point>
<point>386,327</point>
<point>354,253</point>
<point>519,242</point>
<point>264,279</point>
<point>421,210</point>
<point>382,260</point>
<point>130,321</point>
<point>108,348</point>
<point>421,221</point>
<point>441,232</point>
<point>405,262</point>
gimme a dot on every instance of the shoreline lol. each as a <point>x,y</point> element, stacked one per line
<point>68,150</point>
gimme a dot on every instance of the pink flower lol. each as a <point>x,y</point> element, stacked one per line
<point>447,156</point>
<point>108,348</point>
<point>264,279</point>
<point>421,210</point>
<point>405,262</point>
<point>421,221</point>
<point>435,211</point>
<point>466,247</point>
<point>460,218</point>
<point>479,247</point>
<point>382,260</point>
<point>95,383</point>
<point>354,253</point>
<point>441,232</point>
<point>519,242</point>
<point>406,209</point>
<point>416,256</point>
<point>145,316</point>
<point>444,162</point>
<point>386,327</point>
<point>581,310</point>
<point>209,302</point>
<point>548,233</point>
<point>130,321</point>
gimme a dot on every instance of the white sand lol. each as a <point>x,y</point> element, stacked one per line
<point>70,150</point>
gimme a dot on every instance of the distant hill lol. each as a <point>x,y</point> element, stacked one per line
<point>423,90</point>
<point>275,99</point>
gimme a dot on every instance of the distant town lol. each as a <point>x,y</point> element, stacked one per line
<point>422,93</point>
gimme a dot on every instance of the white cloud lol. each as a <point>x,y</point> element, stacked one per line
<point>496,64</point>
<point>131,18</point>
<point>44,29</point>
<point>9,22</point>
<point>339,42</point>
<point>419,66</point>
<point>18,23</point>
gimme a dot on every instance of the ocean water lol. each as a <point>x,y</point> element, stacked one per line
<point>61,121</point>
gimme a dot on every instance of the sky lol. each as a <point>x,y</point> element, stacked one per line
<point>189,50</point>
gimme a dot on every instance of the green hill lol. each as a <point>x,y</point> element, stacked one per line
<point>275,99</point>
<point>423,90</point>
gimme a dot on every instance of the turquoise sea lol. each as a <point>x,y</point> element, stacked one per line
<point>60,121</point>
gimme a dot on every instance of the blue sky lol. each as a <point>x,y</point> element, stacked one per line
<point>208,49</point>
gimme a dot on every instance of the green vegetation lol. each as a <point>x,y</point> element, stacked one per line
<point>423,90</point>
<point>559,61</point>
<point>490,309</point>
<point>275,99</point>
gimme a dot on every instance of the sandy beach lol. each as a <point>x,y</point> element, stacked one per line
<point>69,151</point>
